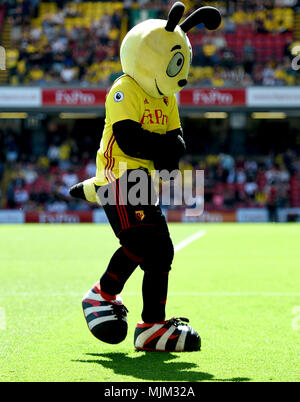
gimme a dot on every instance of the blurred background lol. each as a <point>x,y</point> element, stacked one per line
<point>240,111</point>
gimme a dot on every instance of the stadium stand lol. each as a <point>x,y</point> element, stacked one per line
<point>77,43</point>
<point>41,182</point>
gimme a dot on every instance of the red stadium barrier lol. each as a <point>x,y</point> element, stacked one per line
<point>98,217</point>
<point>211,216</point>
<point>187,97</point>
<point>258,97</point>
<point>213,97</point>
<point>73,97</point>
<point>59,217</point>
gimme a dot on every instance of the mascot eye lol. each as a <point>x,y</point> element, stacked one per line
<point>175,64</point>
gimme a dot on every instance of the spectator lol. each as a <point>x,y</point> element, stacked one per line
<point>70,178</point>
<point>209,50</point>
<point>11,147</point>
<point>219,41</point>
<point>68,74</point>
<point>248,56</point>
<point>271,203</point>
<point>268,75</point>
<point>53,154</point>
<point>56,205</point>
<point>20,193</point>
<point>90,169</point>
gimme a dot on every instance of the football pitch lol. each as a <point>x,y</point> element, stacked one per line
<point>239,284</point>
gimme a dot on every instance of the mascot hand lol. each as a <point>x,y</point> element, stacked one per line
<point>168,167</point>
<point>176,143</point>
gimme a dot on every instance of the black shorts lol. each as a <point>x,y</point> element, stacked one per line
<point>123,216</point>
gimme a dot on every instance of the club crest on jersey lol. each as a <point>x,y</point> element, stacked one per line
<point>118,96</point>
<point>140,215</point>
<point>166,100</point>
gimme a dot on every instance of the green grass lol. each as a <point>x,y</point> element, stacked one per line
<point>247,335</point>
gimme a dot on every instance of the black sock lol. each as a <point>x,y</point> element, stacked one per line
<point>118,271</point>
<point>155,290</point>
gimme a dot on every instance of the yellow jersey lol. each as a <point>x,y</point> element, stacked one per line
<point>127,100</point>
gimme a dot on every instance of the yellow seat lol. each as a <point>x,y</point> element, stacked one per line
<point>208,72</point>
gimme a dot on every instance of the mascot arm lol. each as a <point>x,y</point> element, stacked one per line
<point>179,148</point>
<point>169,164</point>
<point>136,142</point>
<point>170,161</point>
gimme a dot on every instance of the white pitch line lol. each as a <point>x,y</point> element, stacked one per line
<point>178,247</point>
<point>189,240</point>
<point>272,294</point>
<point>2,319</point>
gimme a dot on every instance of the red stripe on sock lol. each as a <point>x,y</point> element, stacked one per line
<point>114,276</point>
<point>105,296</point>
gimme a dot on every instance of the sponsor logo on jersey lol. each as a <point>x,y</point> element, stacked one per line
<point>154,117</point>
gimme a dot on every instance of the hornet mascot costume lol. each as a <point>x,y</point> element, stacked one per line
<point>142,132</point>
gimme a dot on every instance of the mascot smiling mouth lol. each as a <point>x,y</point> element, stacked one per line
<point>158,89</point>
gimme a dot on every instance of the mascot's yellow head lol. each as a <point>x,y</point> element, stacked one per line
<point>157,54</point>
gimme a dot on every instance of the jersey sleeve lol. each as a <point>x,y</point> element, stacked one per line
<point>174,119</point>
<point>123,103</point>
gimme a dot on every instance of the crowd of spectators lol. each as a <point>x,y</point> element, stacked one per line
<point>42,182</point>
<point>77,43</point>
<point>245,181</point>
<point>253,46</point>
<point>49,51</point>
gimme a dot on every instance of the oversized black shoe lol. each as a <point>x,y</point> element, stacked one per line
<point>172,335</point>
<point>106,317</point>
